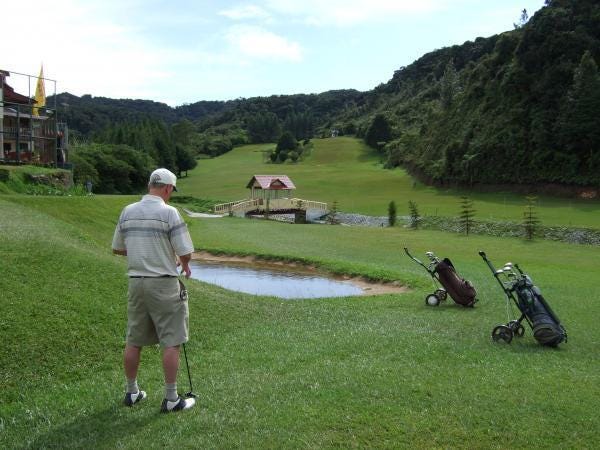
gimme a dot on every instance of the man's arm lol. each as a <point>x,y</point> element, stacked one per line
<point>185,264</point>
<point>119,252</point>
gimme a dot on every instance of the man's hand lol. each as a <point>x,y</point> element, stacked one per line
<point>185,267</point>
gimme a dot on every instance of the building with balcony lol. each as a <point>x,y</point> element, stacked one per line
<point>29,134</point>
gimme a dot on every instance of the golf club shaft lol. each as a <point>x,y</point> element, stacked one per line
<point>188,368</point>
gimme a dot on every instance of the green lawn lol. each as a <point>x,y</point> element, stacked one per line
<point>363,372</point>
<point>345,170</point>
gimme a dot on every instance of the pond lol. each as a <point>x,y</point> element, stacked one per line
<point>263,279</point>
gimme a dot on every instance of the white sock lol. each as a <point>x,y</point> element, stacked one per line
<point>171,391</point>
<point>132,386</point>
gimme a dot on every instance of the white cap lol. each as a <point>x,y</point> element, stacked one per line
<point>164,176</point>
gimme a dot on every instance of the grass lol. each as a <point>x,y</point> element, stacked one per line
<point>14,179</point>
<point>345,170</point>
<point>368,372</point>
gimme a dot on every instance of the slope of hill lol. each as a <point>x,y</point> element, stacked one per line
<point>520,107</point>
<point>347,171</point>
<point>374,371</point>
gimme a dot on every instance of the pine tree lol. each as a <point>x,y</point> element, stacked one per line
<point>522,20</point>
<point>413,212</point>
<point>467,212</point>
<point>530,218</point>
<point>392,213</point>
<point>449,85</point>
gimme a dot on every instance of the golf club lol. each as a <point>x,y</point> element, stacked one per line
<point>183,294</point>
<point>189,394</point>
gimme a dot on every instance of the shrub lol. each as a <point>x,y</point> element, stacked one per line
<point>392,213</point>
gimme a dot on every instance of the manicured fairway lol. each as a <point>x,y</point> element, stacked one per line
<point>345,170</point>
<point>362,372</point>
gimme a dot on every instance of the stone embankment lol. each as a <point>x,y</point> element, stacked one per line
<point>572,235</point>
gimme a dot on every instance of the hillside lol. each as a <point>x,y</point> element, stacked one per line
<point>518,108</point>
<point>373,371</point>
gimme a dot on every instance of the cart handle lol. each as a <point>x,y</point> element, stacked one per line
<point>493,269</point>
<point>416,260</point>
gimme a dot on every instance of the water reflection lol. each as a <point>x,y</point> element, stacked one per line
<point>260,280</point>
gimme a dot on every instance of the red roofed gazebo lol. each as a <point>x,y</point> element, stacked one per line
<point>270,186</point>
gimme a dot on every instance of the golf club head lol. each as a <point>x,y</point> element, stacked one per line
<point>190,395</point>
<point>508,264</point>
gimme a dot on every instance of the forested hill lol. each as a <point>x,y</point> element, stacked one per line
<point>518,107</point>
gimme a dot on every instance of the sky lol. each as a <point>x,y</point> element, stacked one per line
<point>184,51</point>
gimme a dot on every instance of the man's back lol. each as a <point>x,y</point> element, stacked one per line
<point>152,233</point>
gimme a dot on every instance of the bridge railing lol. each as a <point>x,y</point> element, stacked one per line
<point>240,205</point>
<point>274,204</point>
<point>308,204</point>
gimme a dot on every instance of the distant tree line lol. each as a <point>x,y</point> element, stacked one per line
<point>520,107</point>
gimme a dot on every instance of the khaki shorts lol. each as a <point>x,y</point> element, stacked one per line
<point>156,313</point>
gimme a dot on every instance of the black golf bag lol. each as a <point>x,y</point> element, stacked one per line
<point>534,308</point>
<point>443,272</point>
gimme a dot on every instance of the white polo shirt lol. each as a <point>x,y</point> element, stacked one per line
<point>152,233</point>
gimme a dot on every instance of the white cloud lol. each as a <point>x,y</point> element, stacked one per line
<point>257,42</point>
<point>352,12</point>
<point>245,12</point>
<point>85,49</point>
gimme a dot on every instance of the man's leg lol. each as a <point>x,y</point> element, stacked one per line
<point>172,401</point>
<point>131,363</point>
<point>170,368</point>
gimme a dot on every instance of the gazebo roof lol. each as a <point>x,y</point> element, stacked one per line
<point>271,182</point>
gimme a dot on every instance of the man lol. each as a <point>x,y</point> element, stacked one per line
<point>154,238</point>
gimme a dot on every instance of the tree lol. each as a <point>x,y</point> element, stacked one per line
<point>185,159</point>
<point>414,216</point>
<point>287,142</point>
<point>183,131</point>
<point>530,218</point>
<point>522,20</point>
<point>466,214</point>
<point>449,85</point>
<point>580,122</point>
<point>263,127</point>
<point>392,213</point>
<point>379,132</point>
<point>113,169</point>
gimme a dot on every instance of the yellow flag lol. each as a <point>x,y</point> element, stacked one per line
<point>40,92</point>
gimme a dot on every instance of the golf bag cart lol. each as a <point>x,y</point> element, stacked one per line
<point>519,288</point>
<point>443,273</point>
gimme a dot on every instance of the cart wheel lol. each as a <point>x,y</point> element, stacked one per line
<point>502,332</point>
<point>432,300</point>
<point>517,328</point>
<point>441,294</point>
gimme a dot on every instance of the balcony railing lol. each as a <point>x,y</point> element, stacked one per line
<point>25,133</point>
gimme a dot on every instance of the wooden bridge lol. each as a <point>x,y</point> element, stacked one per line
<point>269,194</point>
<point>273,205</point>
